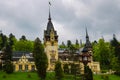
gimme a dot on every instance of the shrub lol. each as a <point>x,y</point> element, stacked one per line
<point>29,76</point>
<point>117,73</point>
<point>4,76</point>
<point>105,77</point>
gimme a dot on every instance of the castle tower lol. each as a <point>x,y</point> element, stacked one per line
<point>51,44</point>
<point>88,44</point>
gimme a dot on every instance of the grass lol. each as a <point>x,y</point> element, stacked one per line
<point>19,76</point>
<point>110,77</point>
<point>50,76</point>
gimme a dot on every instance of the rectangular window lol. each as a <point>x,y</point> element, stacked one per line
<point>20,67</point>
<point>26,67</point>
<point>32,68</point>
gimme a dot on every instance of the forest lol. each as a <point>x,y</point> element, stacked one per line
<point>107,53</point>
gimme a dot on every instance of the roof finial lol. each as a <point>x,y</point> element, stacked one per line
<point>49,11</point>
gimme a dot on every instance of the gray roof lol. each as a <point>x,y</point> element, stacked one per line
<point>17,55</point>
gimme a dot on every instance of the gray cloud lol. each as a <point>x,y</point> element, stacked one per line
<point>70,17</point>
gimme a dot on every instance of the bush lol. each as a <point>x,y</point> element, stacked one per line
<point>8,67</point>
<point>105,77</point>
<point>103,71</point>
<point>29,76</point>
<point>4,76</point>
<point>117,73</point>
<point>59,74</point>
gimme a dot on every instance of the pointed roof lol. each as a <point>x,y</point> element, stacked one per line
<point>49,25</point>
<point>88,44</point>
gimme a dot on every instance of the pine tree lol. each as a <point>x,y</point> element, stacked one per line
<point>23,38</point>
<point>58,71</point>
<point>7,56</point>
<point>12,39</point>
<point>66,68</point>
<point>116,59</point>
<point>69,43</point>
<point>116,45</point>
<point>88,75</point>
<point>3,41</point>
<point>77,46</point>
<point>40,59</point>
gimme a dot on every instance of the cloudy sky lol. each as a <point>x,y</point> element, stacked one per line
<point>69,17</point>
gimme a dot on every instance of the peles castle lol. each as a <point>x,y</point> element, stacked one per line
<point>24,61</point>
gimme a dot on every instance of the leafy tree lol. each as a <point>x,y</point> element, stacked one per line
<point>72,49</point>
<point>7,56</point>
<point>77,46</point>
<point>40,59</point>
<point>23,45</point>
<point>12,41</point>
<point>58,71</point>
<point>69,43</point>
<point>23,37</point>
<point>115,64</point>
<point>73,69</point>
<point>102,53</point>
<point>62,45</point>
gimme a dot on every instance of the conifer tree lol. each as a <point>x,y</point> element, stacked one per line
<point>69,43</point>
<point>7,56</point>
<point>40,59</point>
<point>88,73</point>
<point>3,41</point>
<point>66,68</point>
<point>116,59</point>
<point>58,70</point>
<point>116,45</point>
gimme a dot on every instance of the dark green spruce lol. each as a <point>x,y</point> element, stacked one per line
<point>7,57</point>
<point>59,74</point>
<point>40,59</point>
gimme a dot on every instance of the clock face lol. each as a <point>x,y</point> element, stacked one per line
<point>52,38</point>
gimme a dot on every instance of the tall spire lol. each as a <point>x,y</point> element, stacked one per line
<point>88,44</point>
<point>49,12</point>
<point>49,25</point>
<point>87,33</point>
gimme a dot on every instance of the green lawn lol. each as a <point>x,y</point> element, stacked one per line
<point>50,76</point>
<point>19,76</point>
<point>110,77</point>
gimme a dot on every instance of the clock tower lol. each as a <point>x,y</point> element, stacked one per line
<point>51,44</point>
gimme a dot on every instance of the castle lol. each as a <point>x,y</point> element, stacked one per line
<point>23,61</point>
